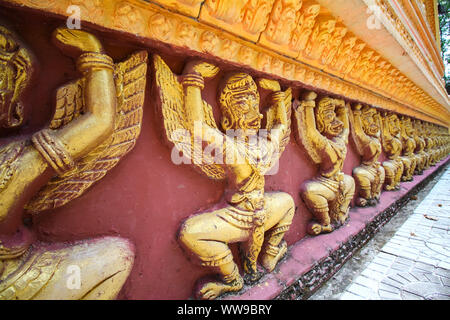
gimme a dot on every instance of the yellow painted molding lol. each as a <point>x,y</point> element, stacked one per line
<point>355,71</point>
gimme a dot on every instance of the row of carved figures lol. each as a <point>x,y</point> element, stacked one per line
<point>258,219</point>
<point>98,120</point>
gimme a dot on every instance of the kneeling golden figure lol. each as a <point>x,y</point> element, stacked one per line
<point>392,146</point>
<point>324,130</point>
<point>419,151</point>
<point>370,174</point>
<point>247,215</point>
<point>408,157</point>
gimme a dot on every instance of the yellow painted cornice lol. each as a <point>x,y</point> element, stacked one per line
<point>299,42</point>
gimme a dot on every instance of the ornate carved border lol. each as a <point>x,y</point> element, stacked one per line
<point>370,80</point>
<point>392,15</point>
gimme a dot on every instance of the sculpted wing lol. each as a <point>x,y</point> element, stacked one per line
<point>171,100</point>
<point>8,156</point>
<point>69,103</point>
<point>130,79</point>
<point>31,278</point>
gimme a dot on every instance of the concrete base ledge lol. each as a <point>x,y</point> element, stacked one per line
<point>313,260</point>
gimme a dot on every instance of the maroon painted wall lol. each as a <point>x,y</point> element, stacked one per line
<point>146,197</point>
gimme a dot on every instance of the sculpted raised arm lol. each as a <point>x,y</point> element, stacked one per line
<point>280,125</point>
<point>342,114</point>
<point>385,127</point>
<point>355,116</point>
<point>86,132</point>
<point>193,82</point>
<point>59,149</point>
<point>306,107</point>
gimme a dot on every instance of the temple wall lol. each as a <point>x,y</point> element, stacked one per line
<point>146,196</point>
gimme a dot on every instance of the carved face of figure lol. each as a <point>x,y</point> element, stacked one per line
<point>394,125</point>
<point>408,127</point>
<point>15,70</point>
<point>370,124</point>
<point>239,102</point>
<point>326,120</point>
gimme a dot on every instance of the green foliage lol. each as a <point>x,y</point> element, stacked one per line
<point>444,23</point>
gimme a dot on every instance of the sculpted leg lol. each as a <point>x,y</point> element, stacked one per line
<point>206,236</point>
<point>393,173</point>
<point>407,165</point>
<point>349,192</point>
<point>419,164</point>
<point>399,169</point>
<point>390,172</point>
<point>316,197</point>
<point>379,185</point>
<point>89,270</point>
<point>363,179</point>
<point>413,165</point>
<point>280,209</point>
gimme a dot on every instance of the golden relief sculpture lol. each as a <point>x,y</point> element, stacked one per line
<point>419,151</point>
<point>246,18</point>
<point>305,25</point>
<point>369,176</point>
<point>332,46</point>
<point>323,129</point>
<point>320,37</point>
<point>239,32</point>
<point>96,122</point>
<point>409,145</point>
<point>392,147</point>
<point>247,214</point>
<point>430,144</point>
<point>282,21</point>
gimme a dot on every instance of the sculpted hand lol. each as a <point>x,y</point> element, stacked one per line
<point>357,107</point>
<point>299,106</point>
<point>309,99</point>
<point>75,42</point>
<point>204,69</point>
<point>271,85</point>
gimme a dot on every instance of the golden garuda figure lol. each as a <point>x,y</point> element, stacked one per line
<point>247,214</point>
<point>96,122</point>
<point>392,146</point>
<point>429,143</point>
<point>419,151</point>
<point>323,129</point>
<point>369,176</point>
<point>409,145</point>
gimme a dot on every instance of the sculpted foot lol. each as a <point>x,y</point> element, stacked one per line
<point>212,290</point>
<point>342,218</point>
<point>361,202</point>
<point>316,228</point>
<point>270,261</point>
<point>250,278</point>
